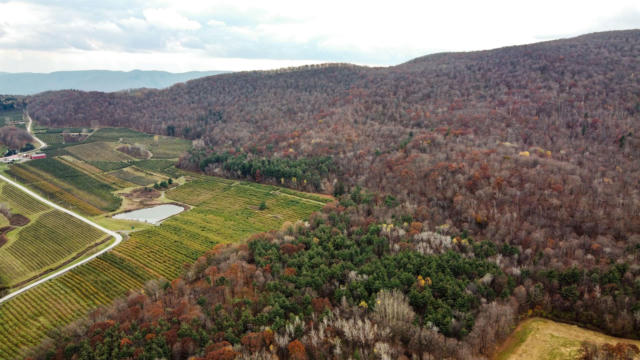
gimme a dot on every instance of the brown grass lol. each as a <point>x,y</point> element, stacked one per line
<point>538,338</point>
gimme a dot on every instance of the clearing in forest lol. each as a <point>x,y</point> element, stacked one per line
<point>538,338</point>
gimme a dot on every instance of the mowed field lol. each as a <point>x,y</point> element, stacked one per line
<point>544,339</point>
<point>221,211</point>
<point>50,238</point>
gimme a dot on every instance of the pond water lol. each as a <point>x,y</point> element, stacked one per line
<point>153,215</point>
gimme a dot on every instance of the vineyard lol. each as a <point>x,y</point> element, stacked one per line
<point>50,238</point>
<point>44,243</point>
<point>97,151</point>
<point>67,185</point>
<point>136,176</point>
<point>223,211</point>
<point>28,318</point>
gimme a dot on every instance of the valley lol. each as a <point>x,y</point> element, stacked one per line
<point>455,206</point>
<point>95,179</point>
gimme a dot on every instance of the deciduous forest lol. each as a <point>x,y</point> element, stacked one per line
<point>471,189</point>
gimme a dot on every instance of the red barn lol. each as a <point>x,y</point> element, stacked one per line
<point>38,156</point>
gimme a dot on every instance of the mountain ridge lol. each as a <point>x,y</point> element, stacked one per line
<point>28,83</point>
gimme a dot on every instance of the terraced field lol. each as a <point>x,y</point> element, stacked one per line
<point>50,238</point>
<point>223,211</point>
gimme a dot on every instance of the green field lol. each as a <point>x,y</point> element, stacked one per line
<point>98,151</point>
<point>67,186</point>
<point>50,238</point>
<point>222,211</point>
<point>136,176</point>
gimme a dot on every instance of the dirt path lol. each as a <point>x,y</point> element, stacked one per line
<point>42,143</point>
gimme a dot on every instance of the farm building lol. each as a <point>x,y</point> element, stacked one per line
<point>38,156</point>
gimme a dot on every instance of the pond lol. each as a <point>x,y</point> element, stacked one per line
<point>153,215</point>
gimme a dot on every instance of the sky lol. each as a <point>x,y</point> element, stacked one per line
<point>233,35</point>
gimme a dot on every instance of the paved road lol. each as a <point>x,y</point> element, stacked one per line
<point>117,236</point>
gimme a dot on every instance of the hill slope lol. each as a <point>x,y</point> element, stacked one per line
<point>532,147</point>
<point>92,80</point>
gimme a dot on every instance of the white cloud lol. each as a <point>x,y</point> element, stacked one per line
<point>284,31</point>
<point>216,23</point>
<point>170,19</point>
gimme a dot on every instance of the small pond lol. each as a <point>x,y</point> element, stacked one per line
<point>153,215</point>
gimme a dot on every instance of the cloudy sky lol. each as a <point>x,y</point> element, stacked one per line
<point>184,35</point>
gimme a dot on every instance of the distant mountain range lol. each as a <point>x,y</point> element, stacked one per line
<point>93,80</point>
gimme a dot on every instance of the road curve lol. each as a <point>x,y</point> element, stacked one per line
<point>42,143</point>
<point>117,236</point>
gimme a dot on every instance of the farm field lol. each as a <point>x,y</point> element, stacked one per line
<point>98,151</point>
<point>224,211</point>
<point>136,176</point>
<point>162,147</point>
<point>544,339</point>
<point>48,239</point>
<point>67,185</point>
<point>221,211</point>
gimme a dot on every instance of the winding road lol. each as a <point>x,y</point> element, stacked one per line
<point>117,237</point>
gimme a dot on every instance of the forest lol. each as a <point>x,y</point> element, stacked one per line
<point>513,172</point>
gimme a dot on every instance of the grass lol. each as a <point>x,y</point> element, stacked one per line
<point>117,134</point>
<point>160,166</point>
<point>222,211</point>
<point>136,176</point>
<point>538,338</point>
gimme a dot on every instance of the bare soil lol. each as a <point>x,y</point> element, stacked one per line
<point>18,220</point>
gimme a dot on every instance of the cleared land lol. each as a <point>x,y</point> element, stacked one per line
<point>224,211</point>
<point>98,151</point>
<point>544,339</point>
<point>49,238</point>
<point>68,186</point>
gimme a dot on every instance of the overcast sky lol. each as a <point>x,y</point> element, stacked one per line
<point>184,35</point>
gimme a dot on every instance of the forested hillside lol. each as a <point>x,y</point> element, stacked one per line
<point>530,151</point>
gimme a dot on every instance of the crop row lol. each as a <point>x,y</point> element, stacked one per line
<point>19,202</point>
<point>94,172</point>
<point>26,319</point>
<point>226,211</point>
<point>97,151</point>
<point>53,192</point>
<point>54,237</point>
<point>71,179</point>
